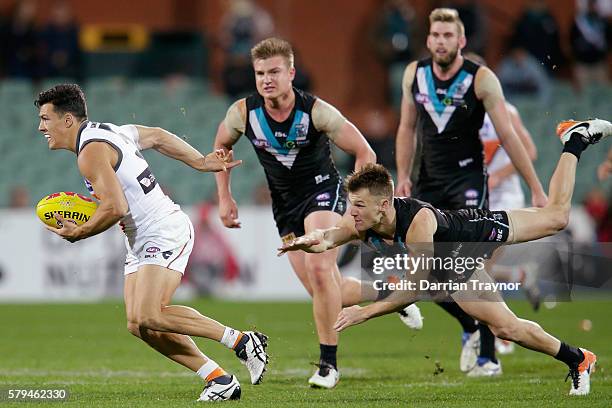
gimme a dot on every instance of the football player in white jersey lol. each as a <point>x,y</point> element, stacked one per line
<point>159,236</point>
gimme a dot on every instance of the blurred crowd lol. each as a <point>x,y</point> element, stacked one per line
<point>32,50</point>
<point>534,55</point>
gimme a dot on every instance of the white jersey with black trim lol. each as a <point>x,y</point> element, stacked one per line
<point>146,200</point>
<point>496,158</point>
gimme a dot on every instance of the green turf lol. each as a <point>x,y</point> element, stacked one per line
<point>87,350</point>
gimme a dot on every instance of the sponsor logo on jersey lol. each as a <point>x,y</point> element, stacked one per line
<point>323,196</point>
<point>421,98</point>
<point>147,181</point>
<point>152,249</point>
<point>471,193</point>
<point>288,238</point>
<point>262,144</point>
<point>321,178</point>
<point>471,203</point>
<point>324,203</point>
<point>301,131</point>
<point>465,162</point>
<point>281,135</point>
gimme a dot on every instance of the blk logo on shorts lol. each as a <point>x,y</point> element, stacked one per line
<point>167,254</point>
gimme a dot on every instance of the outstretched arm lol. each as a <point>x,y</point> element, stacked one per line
<point>488,89</point>
<point>228,133</point>
<point>343,133</point>
<point>420,236</point>
<point>322,240</point>
<point>173,146</point>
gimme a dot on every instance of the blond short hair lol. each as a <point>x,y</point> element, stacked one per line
<point>447,15</point>
<point>273,47</point>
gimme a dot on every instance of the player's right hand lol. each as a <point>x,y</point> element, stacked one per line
<point>302,243</point>
<point>228,212</point>
<point>219,160</point>
<point>403,188</point>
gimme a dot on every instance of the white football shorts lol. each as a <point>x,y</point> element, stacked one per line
<point>168,243</point>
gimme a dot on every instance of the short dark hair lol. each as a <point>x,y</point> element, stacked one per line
<point>66,98</point>
<point>374,177</point>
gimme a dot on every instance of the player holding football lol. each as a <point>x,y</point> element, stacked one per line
<point>159,236</point>
<point>378,217</point>
<point>290,131</point>
<point>445,98</point>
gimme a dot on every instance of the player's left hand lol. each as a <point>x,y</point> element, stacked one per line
<point>68,231</point>
<point>538,199</point>
<point>302,243</point>
<point>219,160</point>
<point>349,316</point>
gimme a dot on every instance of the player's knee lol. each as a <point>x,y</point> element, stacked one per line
<point>508,331</point>
<point>559,217</point>
<point>319,274</point>
<point>149,321</point>
<point>133,328</point>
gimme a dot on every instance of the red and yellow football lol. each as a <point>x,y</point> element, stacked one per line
<point>72,206</point>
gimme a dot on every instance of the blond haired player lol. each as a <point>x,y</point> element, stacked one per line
<point>291,131</point>
<point>445,98</point>
<point>377,217</point>
<point>159,236</point>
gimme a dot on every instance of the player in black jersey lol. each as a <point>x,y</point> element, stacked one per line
<point>290,131</point>
<point>413,223</point>
<point>445,98</point>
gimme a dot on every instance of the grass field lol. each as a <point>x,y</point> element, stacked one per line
<point>87,350</point>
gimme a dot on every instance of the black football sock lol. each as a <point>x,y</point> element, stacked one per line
<point>570,355</point>
<point>328,354</point>
<point>487,343</point>
<point>575,145</point>
<point>467,322</point>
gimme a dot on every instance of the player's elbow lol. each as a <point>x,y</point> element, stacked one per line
<point>366,155</point>
<point>118,210</point>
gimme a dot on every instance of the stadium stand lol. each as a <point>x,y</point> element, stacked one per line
<point>188,108</point>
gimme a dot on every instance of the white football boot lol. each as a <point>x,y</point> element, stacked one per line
<point>487,369</point>
<point>325,377</point>
<point>411,316</point>
<point>503,346</point>
<point>469,351</point>
<point>223,388</point>
<point>581,374</point>
<point>592,131</point>
<point>253,355</point>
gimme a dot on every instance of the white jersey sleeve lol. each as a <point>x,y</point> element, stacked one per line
<point>146,201</point>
